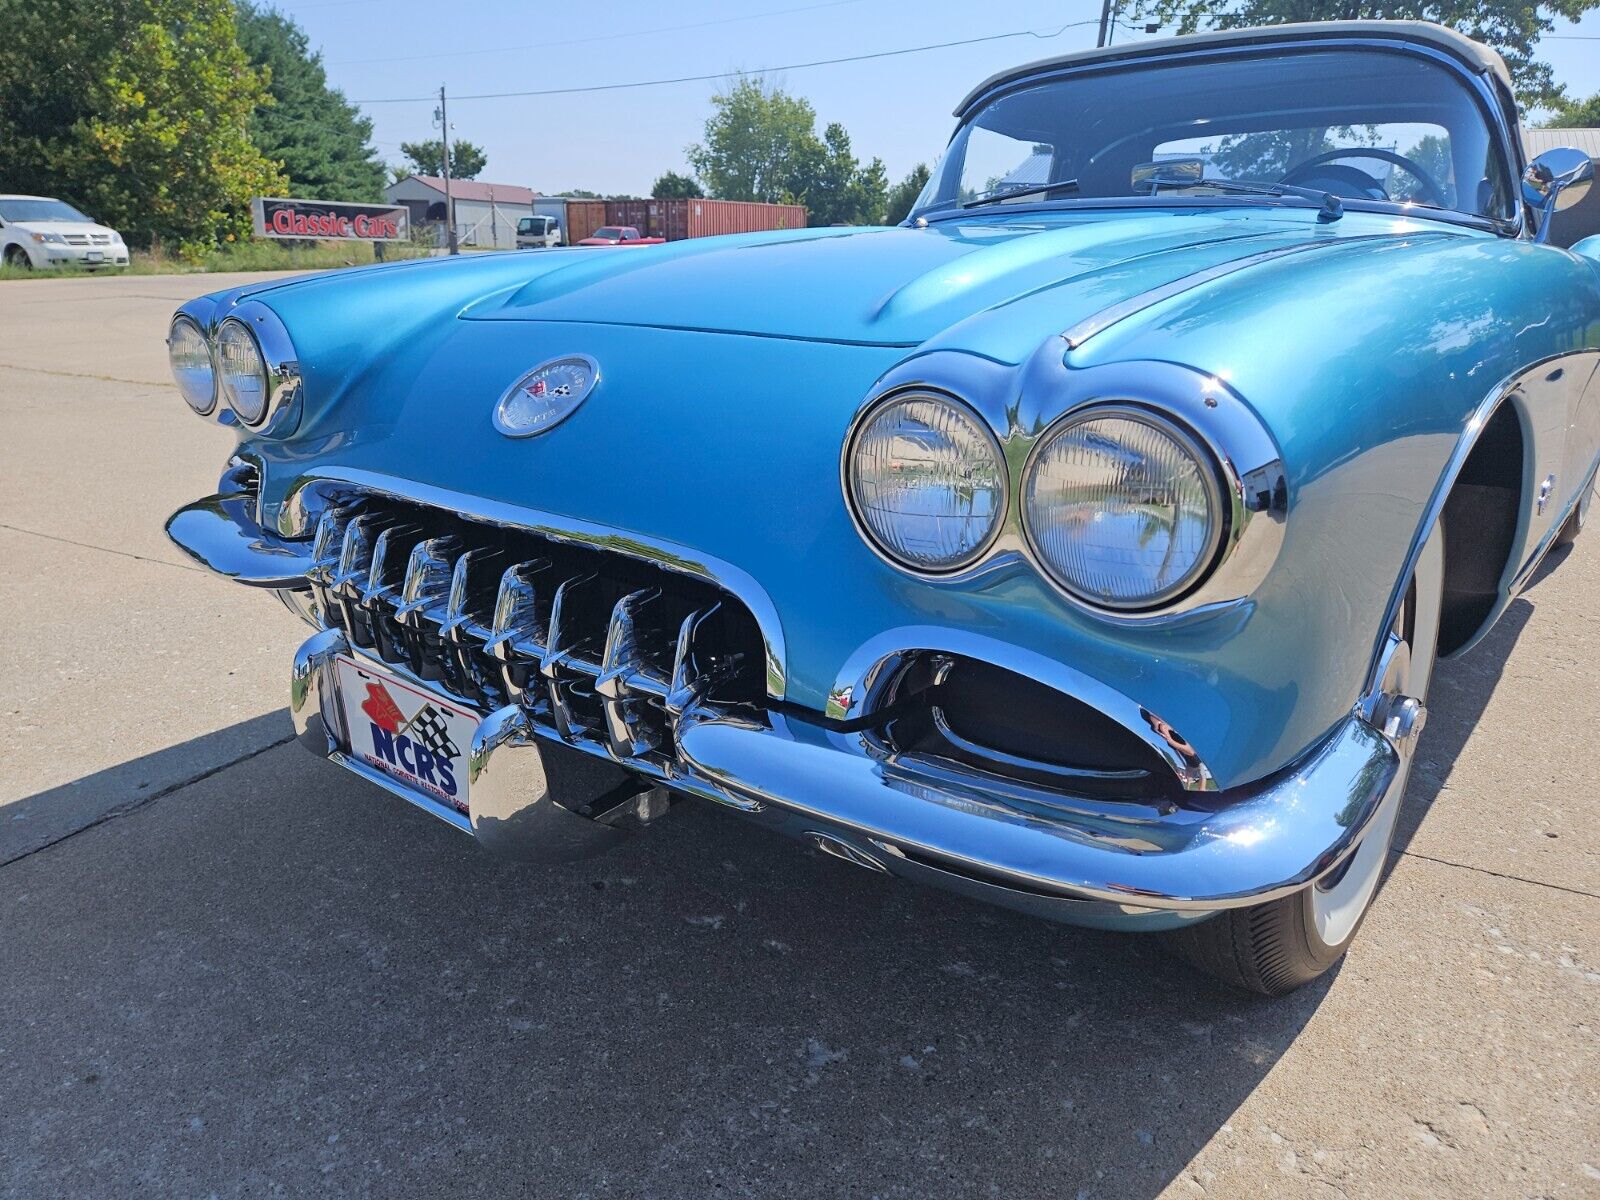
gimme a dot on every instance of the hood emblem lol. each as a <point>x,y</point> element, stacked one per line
<point>546,395</point>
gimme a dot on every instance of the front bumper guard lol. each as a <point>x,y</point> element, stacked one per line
<point>1075,860</point>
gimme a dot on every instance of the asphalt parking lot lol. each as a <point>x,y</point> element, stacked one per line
<point>228,969</point>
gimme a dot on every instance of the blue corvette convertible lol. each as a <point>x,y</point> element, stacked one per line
<point>1084,544</point>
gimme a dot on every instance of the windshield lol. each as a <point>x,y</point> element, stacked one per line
<point>608,231</point>
<point>1364,124</point>
<point>39,210</point>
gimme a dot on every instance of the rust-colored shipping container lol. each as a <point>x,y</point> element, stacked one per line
<point>583,218</point>
<point>689,218</point>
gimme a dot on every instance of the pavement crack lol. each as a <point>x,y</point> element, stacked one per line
<point>1445,862</point>
<point>103,549</point>
<point>133,806</point>
<point>146,383</point>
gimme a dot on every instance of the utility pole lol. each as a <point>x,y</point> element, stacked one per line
<point>1106,8</point>
<point>449,200</point>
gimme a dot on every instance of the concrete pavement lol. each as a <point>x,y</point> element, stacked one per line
<point>227,968</point>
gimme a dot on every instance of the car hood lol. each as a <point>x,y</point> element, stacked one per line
<point>60,227</point>
<point>890,286</point>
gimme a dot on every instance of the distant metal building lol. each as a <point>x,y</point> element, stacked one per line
<point>1583,218</point>
<point>486,213</point>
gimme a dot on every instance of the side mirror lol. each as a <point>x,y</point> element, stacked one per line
<point>1557,179</point>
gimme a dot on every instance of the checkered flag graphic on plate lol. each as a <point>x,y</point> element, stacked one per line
<point>429,728</point>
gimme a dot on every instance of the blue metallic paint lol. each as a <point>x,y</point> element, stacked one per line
<point>728,394</point>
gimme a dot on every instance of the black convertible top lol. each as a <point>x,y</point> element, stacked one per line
<point>1474,54</point>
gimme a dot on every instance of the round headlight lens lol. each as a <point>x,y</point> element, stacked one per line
<point>1122,508</point>
<point>243,371</point>
<point>190,357</point>
<point>927,481</point>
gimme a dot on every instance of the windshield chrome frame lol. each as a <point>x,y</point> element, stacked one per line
<point>1490,104</point>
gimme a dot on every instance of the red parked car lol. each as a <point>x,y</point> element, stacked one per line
<point>619,235</point>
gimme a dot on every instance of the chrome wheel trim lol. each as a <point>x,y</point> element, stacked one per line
<point>1338,903</point>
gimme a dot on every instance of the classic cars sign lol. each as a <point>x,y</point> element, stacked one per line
<point>276,217</point>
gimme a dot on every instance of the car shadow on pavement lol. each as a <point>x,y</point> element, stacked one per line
<point>1459,693</point>
<point>281,979</point>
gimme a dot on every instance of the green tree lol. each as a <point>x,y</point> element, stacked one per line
<point>136,111</point>
<point>675,186</point>
<point>759,143</point>
<point>904,194</point>
<point>1576,114</point>
<point>317,137</point>
<point>427,158</point>
<point>1513,27</point>
<point>835,188</point>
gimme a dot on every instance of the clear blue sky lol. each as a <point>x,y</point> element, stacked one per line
<point>896,108</point>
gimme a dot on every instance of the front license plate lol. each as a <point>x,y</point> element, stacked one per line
<point>94,256</point>
<point>413,735</point>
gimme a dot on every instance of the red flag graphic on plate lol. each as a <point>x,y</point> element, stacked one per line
<point>380,706</point>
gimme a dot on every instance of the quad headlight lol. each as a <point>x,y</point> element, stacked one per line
<point>926,481</point>
<point>242,371</point>
<point>190,358</point>
<point>1122,507</point>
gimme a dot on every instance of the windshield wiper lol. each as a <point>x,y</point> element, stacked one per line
<point>1026,189</point>
<point>1332,209</point>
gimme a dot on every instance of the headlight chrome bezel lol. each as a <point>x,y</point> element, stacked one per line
<point>1003,515</point>
<point>1022,406</point>
<point>281,368</point>
<point>1209,467</point>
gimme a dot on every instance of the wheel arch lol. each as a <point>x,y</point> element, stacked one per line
<point>1486,485</point>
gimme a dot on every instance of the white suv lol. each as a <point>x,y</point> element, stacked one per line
<point>38,231</point>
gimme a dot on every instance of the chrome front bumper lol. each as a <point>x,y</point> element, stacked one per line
<point>1086,862</point>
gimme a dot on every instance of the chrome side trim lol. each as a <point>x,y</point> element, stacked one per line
<point>1512,578</point>
<point>312,494</point>
<point>1076,335</point>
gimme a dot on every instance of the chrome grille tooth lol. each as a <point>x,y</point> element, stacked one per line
<point>686,684</point>
<point>560,654</point>
<point>515,629</point>
<point>326,551</point>
<point>425,591</point>
<point>381,586</point>
<point>623,674</point>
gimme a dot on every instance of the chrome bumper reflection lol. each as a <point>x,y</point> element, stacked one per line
<point>1075,859</point>
<point>842,794</point>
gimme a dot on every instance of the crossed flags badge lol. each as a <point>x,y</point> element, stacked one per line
<point>429,728</point>
<point>427,725</point>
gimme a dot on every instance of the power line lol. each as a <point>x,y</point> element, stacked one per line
<point>600,37</point>
<point>821,62</point>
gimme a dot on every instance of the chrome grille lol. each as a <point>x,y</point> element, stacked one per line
<point>99,239</point>
<point>597,645</point>
<point>75,239</point>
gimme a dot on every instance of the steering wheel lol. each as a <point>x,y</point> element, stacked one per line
<point>1432,192</point>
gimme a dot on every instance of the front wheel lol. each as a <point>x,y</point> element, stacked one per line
<point>17,259</point>
<point>1276,947</point>
<point>1574,526</point>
